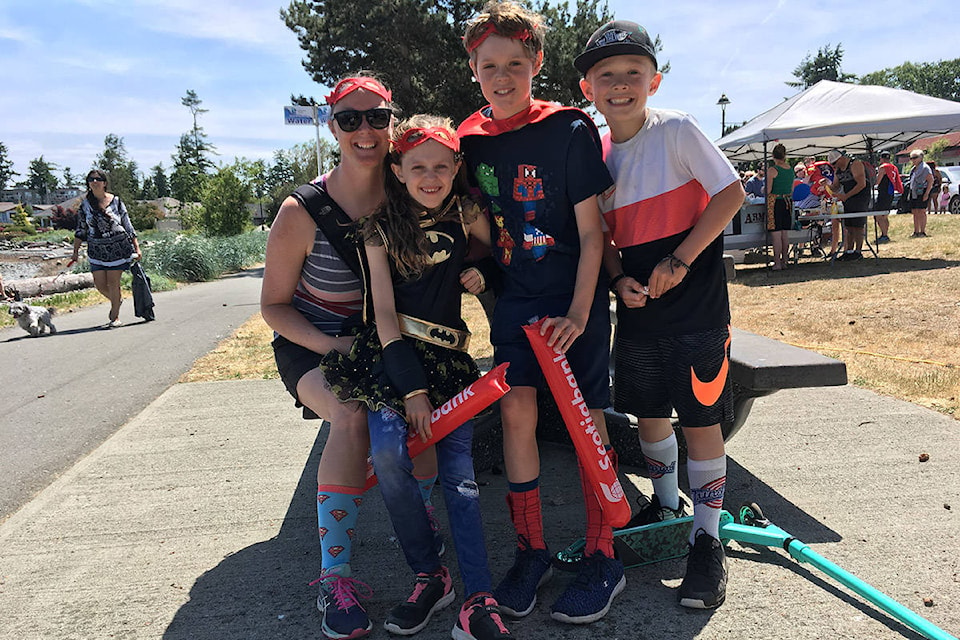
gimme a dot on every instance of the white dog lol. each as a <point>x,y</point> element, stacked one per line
<point>32,319</point>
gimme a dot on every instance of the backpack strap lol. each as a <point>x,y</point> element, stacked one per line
<point>333,221</point>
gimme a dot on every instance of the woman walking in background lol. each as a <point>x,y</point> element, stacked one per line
<point>111,240</point>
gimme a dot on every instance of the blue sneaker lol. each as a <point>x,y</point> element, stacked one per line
<point>339,602</point>
<point>517,592</point>
<point>588,597</point>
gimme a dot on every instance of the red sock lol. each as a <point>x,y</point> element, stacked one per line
<point>527,516</point>
<point>599,532</point>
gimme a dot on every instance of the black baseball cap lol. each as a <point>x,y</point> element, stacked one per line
<point>616,38</point>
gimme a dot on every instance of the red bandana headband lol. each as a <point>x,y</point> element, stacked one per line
<point>349,85</point>
<point>491,29</point>
<point>417,136</point>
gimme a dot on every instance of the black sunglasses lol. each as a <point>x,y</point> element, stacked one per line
<point>351,119</point>
<point>89,180</point>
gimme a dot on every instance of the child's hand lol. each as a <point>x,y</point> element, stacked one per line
<point>471,280</point>
<point>418,410</point>
<point>632,293</point>
<point>565,329</point>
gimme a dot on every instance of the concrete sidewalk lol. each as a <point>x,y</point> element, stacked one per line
<point>197,520</point>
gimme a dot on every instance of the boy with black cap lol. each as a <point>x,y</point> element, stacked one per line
<point>674,193</point>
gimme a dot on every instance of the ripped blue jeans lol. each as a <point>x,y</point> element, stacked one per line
<point>401,495</point>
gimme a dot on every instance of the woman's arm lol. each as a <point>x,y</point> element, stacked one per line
<point>771,175</point>
<point>288,245</point>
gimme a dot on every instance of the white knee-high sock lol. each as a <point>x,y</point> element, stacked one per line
<point>708,479</point>
<point>662,458</point>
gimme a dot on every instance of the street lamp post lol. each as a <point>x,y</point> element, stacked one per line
<point>723,102</point>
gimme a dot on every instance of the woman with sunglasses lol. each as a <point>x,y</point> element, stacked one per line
<point>309,290</point>
<point>104,224</point>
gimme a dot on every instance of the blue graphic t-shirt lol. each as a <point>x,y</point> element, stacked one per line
<point>531,178</point>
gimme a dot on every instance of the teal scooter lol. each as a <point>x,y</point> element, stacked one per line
<point>666,540</point>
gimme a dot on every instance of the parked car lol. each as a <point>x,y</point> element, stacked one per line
<point>951,176</point>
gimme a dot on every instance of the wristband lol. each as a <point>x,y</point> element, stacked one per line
<point>614,280</point>
<point>403,368</point>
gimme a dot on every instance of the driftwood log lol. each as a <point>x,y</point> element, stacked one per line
<point>33,287</point>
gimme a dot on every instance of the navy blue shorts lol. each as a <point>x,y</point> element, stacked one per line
<point>117,267</point>
<point>589,356</point>
<point>688,373</point>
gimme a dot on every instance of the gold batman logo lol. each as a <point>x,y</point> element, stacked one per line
<point>441,246</point>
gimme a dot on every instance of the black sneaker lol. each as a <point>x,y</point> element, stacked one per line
<point>705,584</point>
<point>517,592</point>
<point>650,511</point>
<point>884,239</point>
<point>479,619</point>
<point>432,592</point>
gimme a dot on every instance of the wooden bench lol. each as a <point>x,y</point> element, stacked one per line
<point>759,366</point>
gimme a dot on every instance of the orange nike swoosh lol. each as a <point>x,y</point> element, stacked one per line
<point>707,393</point>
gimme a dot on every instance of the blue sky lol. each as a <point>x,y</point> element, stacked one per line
<point>72,71</point>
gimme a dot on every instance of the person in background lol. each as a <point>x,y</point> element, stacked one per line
<point>111,240</point>
<point>921,187</point>
<point>945,198</point>
<point>779,206</point>
<point>755,185</point>
<point>933,205</point>
<point>887,186</point>
<point>852,176</point>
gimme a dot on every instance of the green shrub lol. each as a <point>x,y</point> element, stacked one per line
<point>197,258</point>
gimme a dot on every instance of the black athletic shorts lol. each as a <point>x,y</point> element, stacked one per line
<point>293,362</point>
<point>688,373</point>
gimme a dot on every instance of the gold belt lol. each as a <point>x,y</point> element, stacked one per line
<point>434,333</point>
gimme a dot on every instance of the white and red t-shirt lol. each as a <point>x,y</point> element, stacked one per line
<point>665,176</point>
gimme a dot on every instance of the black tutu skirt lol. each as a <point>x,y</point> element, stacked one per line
<point>359,375</point>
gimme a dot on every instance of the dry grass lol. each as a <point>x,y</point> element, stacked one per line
<point>895,322</point>
<point>245,355</point>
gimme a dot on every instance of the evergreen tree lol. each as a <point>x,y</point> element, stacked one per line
<point>6,168</point>
<point>121,171</point>
<point>160,182</point>
<point>191,164</point>
<point>40,178</point>
<point>825,66</point>
<point>409,42</point>
<point>69,179</point>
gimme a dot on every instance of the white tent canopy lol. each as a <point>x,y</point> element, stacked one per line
<point>856,118</point>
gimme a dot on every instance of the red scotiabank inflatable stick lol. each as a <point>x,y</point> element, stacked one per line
<point>586,440</point>
<point>454,412</point>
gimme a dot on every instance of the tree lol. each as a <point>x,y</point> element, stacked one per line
<point>825,66</point>
<point>160,181</point>
<point>938,79</point>
<point>40,177</point>
<point>69,179</point>
<point>416,48</point>
<point>224,202</point>
<point>291,168</point>
<point>6,168</point>
<point>191,163</point>
<point>121,171</point>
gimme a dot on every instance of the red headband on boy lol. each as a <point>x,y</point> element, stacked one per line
<point>491,29</point>
<point>417,136</point>
<point>349,85</point>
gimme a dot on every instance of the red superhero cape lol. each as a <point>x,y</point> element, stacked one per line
<point>479,124</point>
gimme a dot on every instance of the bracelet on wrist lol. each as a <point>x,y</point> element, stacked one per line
<point>676,262</point>
<point>414,393</point>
